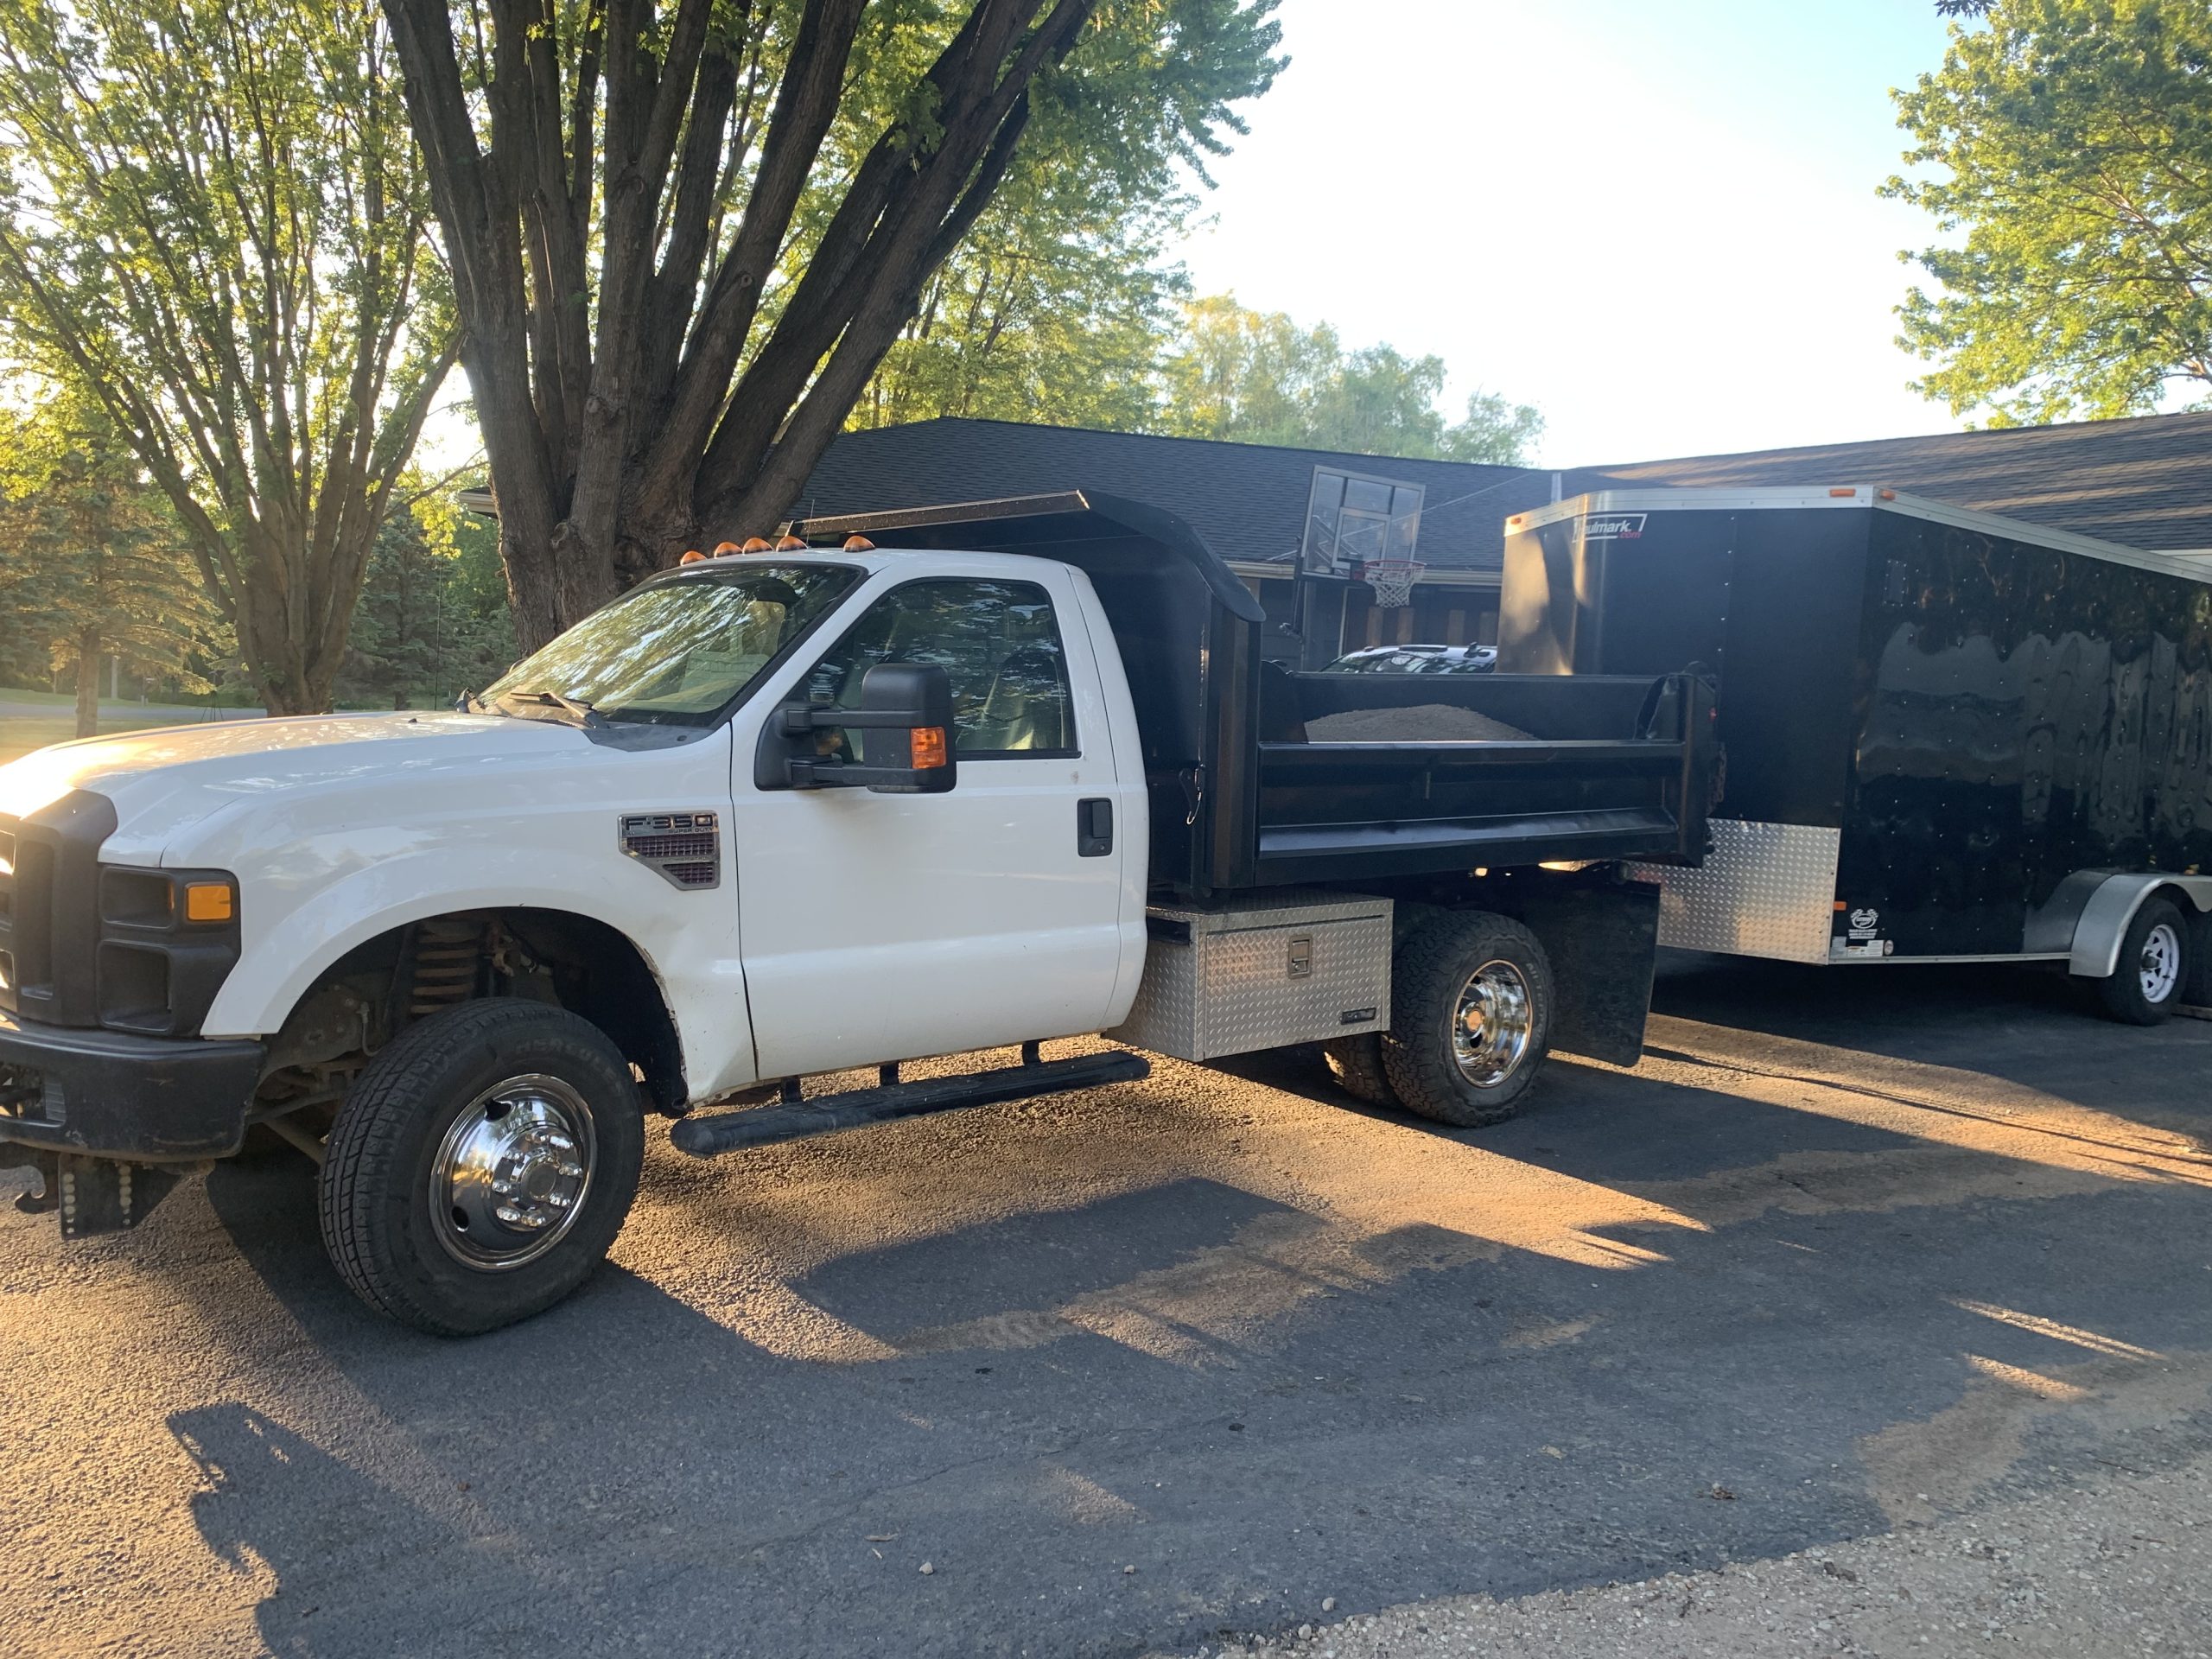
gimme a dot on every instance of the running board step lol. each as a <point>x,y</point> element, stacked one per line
<point>795,1120</point>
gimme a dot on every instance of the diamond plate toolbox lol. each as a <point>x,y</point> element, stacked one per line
<point>1764,890</point>
<point>1295,968</point>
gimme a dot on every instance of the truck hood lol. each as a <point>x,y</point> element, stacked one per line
<point>163,780</point>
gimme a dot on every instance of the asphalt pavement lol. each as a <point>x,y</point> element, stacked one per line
<point>1852,1253</point>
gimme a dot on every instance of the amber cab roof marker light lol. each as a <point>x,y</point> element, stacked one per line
<point>723,550</point>
<point>790,545</point>
<point>692,557</point>
<point>858,544</point>
<point>755,544</point>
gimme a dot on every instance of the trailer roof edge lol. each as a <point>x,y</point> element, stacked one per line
<point>1864,498</point>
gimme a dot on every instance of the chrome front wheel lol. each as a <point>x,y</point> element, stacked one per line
<point>481,1165</point>
<point>511,1177</point>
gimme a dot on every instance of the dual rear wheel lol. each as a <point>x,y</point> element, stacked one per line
<point>1472,997</point>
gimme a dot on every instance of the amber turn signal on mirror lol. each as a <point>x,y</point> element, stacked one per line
<point>927,747</point>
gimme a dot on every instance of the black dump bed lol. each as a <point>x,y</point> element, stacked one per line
<point>1263,777</point>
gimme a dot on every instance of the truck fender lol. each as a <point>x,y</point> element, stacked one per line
<point>279,966</point>
<point>2112,906</point>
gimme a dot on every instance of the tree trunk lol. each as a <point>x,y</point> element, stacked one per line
<point>88,682</point>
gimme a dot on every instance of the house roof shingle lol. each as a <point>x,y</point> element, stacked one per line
<point>1246,501</point>
<point>2144,482</point>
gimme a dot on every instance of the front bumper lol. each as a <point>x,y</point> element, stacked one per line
<point>107,1094</point>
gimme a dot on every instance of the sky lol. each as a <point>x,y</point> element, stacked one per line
<point>1657,222</point>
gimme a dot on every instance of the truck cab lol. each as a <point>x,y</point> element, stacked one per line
<point>840,804</point>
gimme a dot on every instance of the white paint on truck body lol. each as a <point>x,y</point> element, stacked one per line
<point>876,927</point>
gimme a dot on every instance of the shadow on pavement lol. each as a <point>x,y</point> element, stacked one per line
<point>1670,1317</point>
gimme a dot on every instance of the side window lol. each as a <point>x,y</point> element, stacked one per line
<point>998,642</point>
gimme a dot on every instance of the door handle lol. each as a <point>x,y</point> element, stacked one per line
<point>1094,827</point>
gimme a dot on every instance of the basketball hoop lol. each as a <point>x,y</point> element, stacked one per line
<point>1392,580</point>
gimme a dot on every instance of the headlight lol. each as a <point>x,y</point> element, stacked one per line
<point>168,939</point>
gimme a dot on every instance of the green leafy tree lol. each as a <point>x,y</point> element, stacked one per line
<point>91,565</point>
<point>2069,149</point>
<point>433,619</point>
<point>1058,309</point>
<point>684,233</point>
<point>212,229</point>
<point>1258,378</point>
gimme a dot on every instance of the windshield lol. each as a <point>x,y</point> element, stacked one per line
<point>678,652</point>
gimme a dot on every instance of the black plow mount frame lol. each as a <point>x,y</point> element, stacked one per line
<point>796,1118</point>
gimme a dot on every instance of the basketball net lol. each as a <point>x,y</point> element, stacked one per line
<point>1393,581</point>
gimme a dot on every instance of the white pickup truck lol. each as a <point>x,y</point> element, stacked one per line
<point>1006,774</point>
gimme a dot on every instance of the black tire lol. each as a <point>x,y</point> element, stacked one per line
<point>1357,1064</point>
<point>2158,946</point>
<point>1433,968</point>
<point>376,1193</point>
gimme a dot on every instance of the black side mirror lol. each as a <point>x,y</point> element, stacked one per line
<point>905,722</point>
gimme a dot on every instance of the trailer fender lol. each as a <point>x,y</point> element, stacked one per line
<point>2105,917</point>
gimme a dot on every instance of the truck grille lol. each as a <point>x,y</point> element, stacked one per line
<point>17,896</point>
<point>49,909</point>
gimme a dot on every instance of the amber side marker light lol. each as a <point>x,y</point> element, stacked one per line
<point>207,902</point>
<point>927,747</point>
<point>1843,491</point>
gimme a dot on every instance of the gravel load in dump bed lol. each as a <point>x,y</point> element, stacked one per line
<point>1424,722</point>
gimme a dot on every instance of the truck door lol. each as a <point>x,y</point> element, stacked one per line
<point>881,927</point>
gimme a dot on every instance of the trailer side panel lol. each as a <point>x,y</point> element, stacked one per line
<point>2031,712</point>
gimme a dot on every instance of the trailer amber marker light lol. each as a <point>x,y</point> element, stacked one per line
<point>207,902</point>
<point>928,748</point>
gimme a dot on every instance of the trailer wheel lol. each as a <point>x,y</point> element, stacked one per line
<point>2154,966</point>
<point>1470,1019</point>
<point>1357,1064</point>
<point>480,1165</point>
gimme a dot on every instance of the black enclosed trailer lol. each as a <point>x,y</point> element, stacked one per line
<point>1950,736</point>
<point>1267,834</point>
